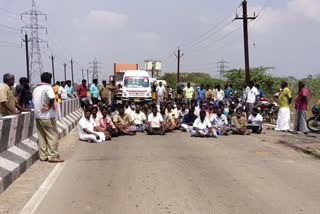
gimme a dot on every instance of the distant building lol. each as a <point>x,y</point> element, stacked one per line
<point>155,65</point>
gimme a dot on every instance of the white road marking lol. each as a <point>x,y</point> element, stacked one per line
<point>39,195</point>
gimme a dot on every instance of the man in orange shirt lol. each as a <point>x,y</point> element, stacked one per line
<point>56,89</point>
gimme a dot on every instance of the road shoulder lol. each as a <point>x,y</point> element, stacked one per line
<point>21,191</point>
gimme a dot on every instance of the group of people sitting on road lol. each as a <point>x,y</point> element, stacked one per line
<point>204,119</point>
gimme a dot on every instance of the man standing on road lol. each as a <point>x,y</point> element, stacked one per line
<point>220,93</point>
<point>251,94</point>
<point>69,89</point>
<point>83,94</point>
<point>160,92</point>
<point>56,89</point>
<point>94,91</point>
<point>63,93</point>
<point>201,94</point>
<point>188,93</point>
<point>285,99</point>
<point>301,110</point>
<point>45,107</point>
<point>7,98</point>
<point>105,93</point>
<point>23,95</point>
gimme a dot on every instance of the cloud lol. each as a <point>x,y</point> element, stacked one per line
<point>272,18</point>
<point>308,8</point>
<point>102,20</point>
<point>203,19</point>
<point>148,36</point>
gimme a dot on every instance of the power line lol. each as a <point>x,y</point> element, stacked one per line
<point>208,33</point>
<point>9,27</point>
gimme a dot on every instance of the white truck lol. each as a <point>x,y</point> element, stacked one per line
<point>136,86</point>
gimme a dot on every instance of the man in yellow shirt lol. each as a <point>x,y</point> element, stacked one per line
<point>188,93</point>
<point>285,99</point>
<point>7,98</point>
<point>56,90</point>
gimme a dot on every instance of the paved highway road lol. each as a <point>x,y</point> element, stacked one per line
<point>180,174</point>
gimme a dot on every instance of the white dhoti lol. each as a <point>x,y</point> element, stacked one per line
<point>283,121</point>
<point>187,128</point>
<point>92,137</point>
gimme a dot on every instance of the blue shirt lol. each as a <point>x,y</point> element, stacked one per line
<point>201,94</point>
<point>261,93</point>
<point>227,93</point>
<point>69,89</point>
<point>94,91</point>
<point>188,119</point>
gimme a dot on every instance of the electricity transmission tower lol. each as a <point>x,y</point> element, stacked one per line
<point>95,69</point>
<point>36,67</point>
<point>222,66</point>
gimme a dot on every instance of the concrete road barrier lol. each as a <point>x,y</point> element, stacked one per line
<point>19,139</point>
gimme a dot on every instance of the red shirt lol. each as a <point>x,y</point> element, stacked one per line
<point>82,91</point>
<point>302,104</point>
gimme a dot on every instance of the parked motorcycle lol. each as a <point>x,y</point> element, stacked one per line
<point>314,122</point>
<point>269,111</point>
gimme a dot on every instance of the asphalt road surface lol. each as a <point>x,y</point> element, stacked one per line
<point>179,174</point>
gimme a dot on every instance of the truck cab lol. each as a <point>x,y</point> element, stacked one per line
<point>136,86</point>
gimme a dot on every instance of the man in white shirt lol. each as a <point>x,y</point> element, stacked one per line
<point>251,95</point>
<point>139,119</point>
<point>63,93</point>
<point>220,122</point>
<point>220,93</point>
<point>45,108</point>
<point>202,127</point>
<point>87,129</point>
<point>255,121</point>
<point>182,112</point>
<point>160,92</point>
<point>155,123</point>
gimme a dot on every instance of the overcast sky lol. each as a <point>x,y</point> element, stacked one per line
<point>285,35</point>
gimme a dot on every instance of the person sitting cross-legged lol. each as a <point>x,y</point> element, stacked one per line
<point>106,124</point>
<point>220,122</point>
<point>174,117</point>
<point>87,129</point>
<point>169,126</point>
<point>188,120</point>
<point>124,122</point>
<point>139,119</point>
<point>202,127</point>
<point>239,124</point>
<point>100,127</point>
<point>255,121</point>
<point>155,123</point>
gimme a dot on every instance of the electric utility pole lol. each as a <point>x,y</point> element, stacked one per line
<point>72,72</point>
<point>82,74</point>
<point>26,41</point>
<point>179,55</point>
<point>65,71</point>
<point>245,19</point>
<point>52,64</point>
